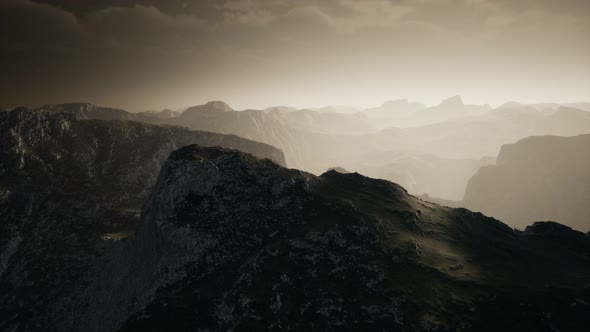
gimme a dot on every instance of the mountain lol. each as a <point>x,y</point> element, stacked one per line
<point>339,109</point>
<point>394,113</point>
<point>69,190</point>
<point>256,125</point>
<point>537,178</point>
<point>421,173</point>
<point>435,159</point>
<point>449,109</point>
<point>300,134</point>
<point>327,122</point>
<point>548,106</point>
<point>229,241</point>
<point>401,113</point>
<point>279,109</point>
<point>90,111</point>
<point>163,114</point>
<point>484,135</point>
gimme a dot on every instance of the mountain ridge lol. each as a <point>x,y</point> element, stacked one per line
<point>208,258</point>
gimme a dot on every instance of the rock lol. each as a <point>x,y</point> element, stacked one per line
<point>67,188</point>
<point>537,178</point>
<point>229,241</point>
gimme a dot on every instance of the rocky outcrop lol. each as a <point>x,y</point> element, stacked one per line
<point>231,242</point>
<point>69,189</point>
<point>537,178</point>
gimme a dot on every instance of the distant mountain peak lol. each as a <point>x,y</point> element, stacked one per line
<point>453,101</point>
<point>218,105</point>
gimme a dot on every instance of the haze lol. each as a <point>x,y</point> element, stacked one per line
<point>254,54</point>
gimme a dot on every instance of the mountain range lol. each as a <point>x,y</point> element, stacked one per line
<point>118,224</point>
<point>70,187</point>
<point>230,241</point>
<point>536,178</point>
<point>316,140</point>
<point>436,159</point>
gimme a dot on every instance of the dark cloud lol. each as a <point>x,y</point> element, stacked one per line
<point>254,52</point>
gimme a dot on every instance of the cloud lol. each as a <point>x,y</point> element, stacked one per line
<point>153,53</point>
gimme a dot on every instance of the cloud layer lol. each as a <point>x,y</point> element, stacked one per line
<point>254,53</point>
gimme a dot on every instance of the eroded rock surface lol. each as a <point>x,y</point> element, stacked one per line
<point>69,190</point>
<point>231,242</point>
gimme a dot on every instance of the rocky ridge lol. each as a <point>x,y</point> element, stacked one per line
<point>537,178</point>
<point>69,189</point>
<point>231,242</point>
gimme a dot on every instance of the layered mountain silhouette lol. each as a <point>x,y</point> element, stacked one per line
<point>537,178</point>
<point>68,189</point>
<point>424,173</point>
<point>90,111</point>
<point>394,113</point>
<point>402,113</point>
<point>230,241</point>
<point>436,159</point>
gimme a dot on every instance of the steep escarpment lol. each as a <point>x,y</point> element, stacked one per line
<point>229,241</point>
<point>537,178</point>
<point>69,188</point>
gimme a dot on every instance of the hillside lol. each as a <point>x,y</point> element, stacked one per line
<point>537,178</point>
<point>71,188</point>
<point>228,241</point>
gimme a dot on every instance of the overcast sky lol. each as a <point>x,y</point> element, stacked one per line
<point>159,54</point>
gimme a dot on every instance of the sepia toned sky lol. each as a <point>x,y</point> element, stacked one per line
<point>159,54</point>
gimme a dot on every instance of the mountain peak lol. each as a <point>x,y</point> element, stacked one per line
<point>453,101</point>
<point>218,105</point>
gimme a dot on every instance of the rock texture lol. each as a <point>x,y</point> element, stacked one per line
<point>231,242</point>
<point>228,241</point>
<point>69,189</point>
<point>537,178</point>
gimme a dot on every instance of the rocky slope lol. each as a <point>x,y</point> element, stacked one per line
<point>68,189</point>
<point>90,111</point>
<point>537,178</point>
<point>231,242</point>
<point>301,134</point>
<point>436,159</point>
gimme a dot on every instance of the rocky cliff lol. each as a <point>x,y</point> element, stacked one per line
<point>69,189</point>
<point>537,178</point>
<point>231,242</point>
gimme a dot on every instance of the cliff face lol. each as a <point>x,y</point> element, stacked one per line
<point>538,178</point>
<point>228,241</point>
<point>69,189</point>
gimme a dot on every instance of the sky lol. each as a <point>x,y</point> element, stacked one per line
<point>156,54</point>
